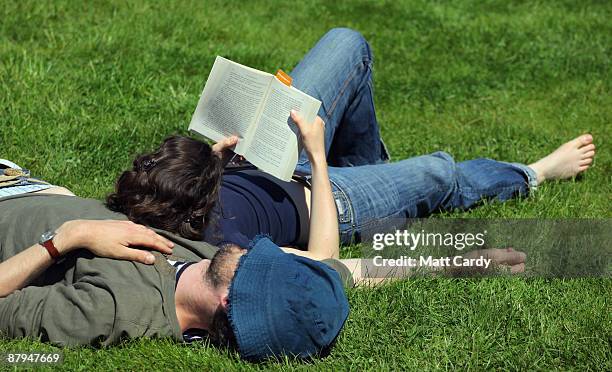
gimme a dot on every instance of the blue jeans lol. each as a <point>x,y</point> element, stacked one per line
<point>367,189</point>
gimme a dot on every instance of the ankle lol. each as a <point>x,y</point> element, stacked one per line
<point>539,172</point>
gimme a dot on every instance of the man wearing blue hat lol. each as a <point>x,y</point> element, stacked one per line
<point>89,286</point>
<point>276,303</point>
<point>283,304</point>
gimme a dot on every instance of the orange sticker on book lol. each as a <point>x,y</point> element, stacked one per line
<point>283,77</point>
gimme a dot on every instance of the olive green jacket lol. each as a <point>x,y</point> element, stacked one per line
<point>85,299</point>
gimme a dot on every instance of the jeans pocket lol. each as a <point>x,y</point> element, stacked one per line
<point>343,205</point>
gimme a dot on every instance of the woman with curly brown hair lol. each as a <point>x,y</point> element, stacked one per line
<point>170,189</point>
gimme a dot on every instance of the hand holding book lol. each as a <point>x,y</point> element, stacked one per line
<point>313,136</point>
<point>224,148</point>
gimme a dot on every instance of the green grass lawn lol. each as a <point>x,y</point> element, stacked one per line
<point>85,88</point>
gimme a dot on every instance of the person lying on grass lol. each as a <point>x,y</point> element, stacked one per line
<point>359,188</point>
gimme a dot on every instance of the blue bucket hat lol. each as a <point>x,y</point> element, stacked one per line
<point>283,304</point>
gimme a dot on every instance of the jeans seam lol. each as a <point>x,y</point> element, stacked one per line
<point>469,190</point>
<point>342,90</point>
<point>365,61</point>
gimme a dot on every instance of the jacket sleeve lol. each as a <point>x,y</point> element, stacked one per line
<point>66,315</point>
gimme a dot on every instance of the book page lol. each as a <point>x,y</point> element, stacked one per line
<point>230,102</point>
<point>274,146</point>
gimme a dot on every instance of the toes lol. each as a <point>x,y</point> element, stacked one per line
<point>585,139</point>
<point>582,168</point>
<point>588,155</point>
<point>587,148</point>
<point>587,161</point>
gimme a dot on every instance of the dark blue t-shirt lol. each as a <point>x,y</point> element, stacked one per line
<point>251,205</point>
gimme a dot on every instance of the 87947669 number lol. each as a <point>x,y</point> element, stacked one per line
<point>41,358</point>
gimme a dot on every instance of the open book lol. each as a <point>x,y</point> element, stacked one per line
<point>254,105</point>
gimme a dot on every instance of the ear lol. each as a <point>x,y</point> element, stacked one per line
<point>224,302</point>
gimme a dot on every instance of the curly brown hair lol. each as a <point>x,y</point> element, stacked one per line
<point>173,188</point>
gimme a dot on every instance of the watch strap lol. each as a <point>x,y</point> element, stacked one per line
<point>48,244</point>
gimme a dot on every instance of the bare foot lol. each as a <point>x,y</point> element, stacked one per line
<point>567,161</point>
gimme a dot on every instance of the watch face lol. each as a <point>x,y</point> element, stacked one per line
<point>48,235</point>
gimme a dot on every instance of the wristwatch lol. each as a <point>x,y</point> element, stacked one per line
<point>46,240</point>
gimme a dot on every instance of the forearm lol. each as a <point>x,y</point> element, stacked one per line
<point>110,239</point>
<point>18,271</point>
<point>366,272</point>
<point>21,269</point>
<point>323,241</point>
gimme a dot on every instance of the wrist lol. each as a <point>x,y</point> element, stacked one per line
<point>318,159</point>
<point>68,237</point>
